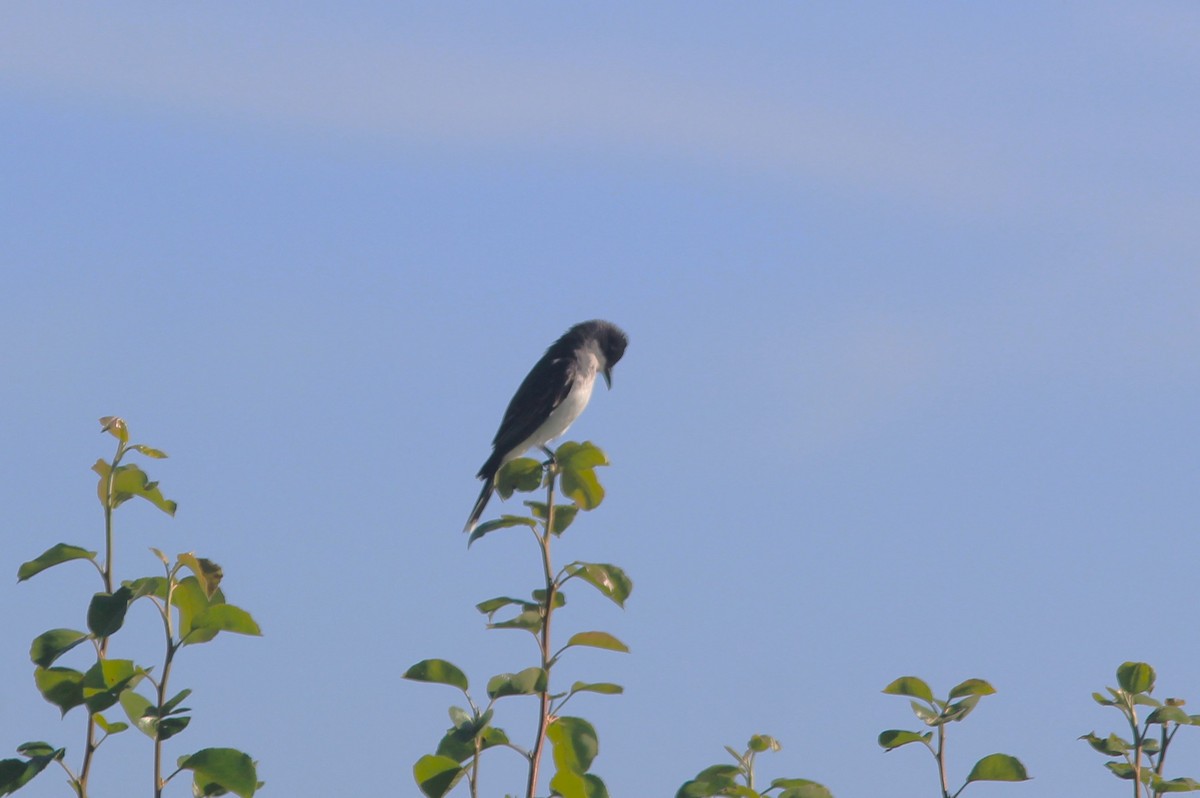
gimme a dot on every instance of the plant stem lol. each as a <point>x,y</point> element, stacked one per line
<point>108,511</point>
<point>172,647</point>
<point>544,641</point>
<point>162,699</point>
<point>90,744</point>
<point>941,759</point>
<point>1162,751</point>
<point>474,777</point>
<point>1137,750</point>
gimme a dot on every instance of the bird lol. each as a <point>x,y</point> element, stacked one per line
<point>551,397</point>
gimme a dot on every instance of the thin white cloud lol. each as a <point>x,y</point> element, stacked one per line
<point>438,96</point>
<point>301,76</point>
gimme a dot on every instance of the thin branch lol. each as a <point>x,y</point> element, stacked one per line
<point>535,758</point>
<point>90,743</point>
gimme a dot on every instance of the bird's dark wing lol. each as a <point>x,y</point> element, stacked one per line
<point>542,390</point>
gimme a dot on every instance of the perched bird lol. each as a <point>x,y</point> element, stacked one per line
<point>551,396</point>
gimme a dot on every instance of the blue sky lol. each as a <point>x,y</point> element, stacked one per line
<point>912,298</point>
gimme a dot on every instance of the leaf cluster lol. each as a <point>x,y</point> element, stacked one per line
<point>738,779</point>
<point>573,740</point>
<point>193,610</point>
<point>1142,758</point>
<point>937,713</point>
<point>573,465</point>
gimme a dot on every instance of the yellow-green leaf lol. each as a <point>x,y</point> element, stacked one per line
<point>597,640</point>
<point>127,482</point>
<point>436,775</point>
<point>207,572</point>
<point>157,454</point>
<point>58,553</point>
<point>115,426</point>
<point>998,767</point>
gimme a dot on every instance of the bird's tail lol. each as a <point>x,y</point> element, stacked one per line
<point>489,484</point>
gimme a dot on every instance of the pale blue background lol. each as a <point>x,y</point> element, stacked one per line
<point>914,309</point>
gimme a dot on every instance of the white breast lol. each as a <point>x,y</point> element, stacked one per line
<point>564,415</point>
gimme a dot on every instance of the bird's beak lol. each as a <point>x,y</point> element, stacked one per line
<point>608,377</point>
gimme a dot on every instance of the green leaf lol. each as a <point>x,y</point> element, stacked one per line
<point>157,454</point>
<point>530,621</point>
<point>490,606</point>
<point>49,646</point>
<point>1122,770</point>
<point>225,618</point>
<point>574,785</point>
<point>224,768</point>
<point>1136,677</point>
<point>523,474</point>
<point>55,555</point>
<point>761,743</point>
<point>13,775</point>
<point>1101,700</point>
<point>109,727</point>
<point>528,682</point>
<point>106,613</point>
<point>975,687</point>
<point>147,586</point>
<point>459,744</point>
<point>461,718</point>
<point>169,727</point>
<point>140,712</point>
<point>603,688</point>
<point>714,780</point>
<point>1169,714</point>
<point>586,455</point>
<point>926,714</point>
<point>959,710</point>
<point>128,482</point>
<point>436,775</point>
<point>36,748</point>
<point>910,686</point>
<point>503,522</point>
<point>62,687</point>
<point>576,464</point>
<point>1109,746</point>
<point>539,598</point>
<point>611,581</point>
<point>491,737</point>
<point>597,640</point>
<point>103,683</point>
<point>801,788</point>
<point>998,767</point>
<point>894,738</point>
<point>115,426</point>
<point>564,514</point>
<point>16,773</point>
<point>193,602</point>
<point>169,707</point>
<point>1178,785</point>
<point>207,572</point>
<point>575,744</point>
<point>582,487</point>
<point>437,671</point>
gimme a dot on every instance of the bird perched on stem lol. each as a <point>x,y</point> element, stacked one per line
<point>551,397</point>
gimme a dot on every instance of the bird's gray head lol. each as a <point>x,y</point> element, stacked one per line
<point>611,341</point>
